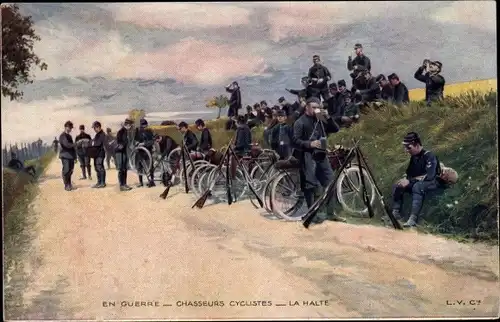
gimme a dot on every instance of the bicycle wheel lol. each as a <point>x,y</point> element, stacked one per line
<point>267,195</point>
<point>195,178</point>
<point>173,160</point>
<point>286,196</point>
<point>259,181</point>
<point>143,157</point>
<point>349,190</point>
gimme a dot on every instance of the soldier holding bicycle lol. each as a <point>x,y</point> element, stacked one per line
<point>145,138</point>
<point>121,156</point>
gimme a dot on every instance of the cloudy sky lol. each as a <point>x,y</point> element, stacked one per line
<point>169,58</point>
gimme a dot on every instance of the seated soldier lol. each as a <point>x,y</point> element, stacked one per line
<point>386,90</point>
<point>281,137</point>
<point>422,176</point>
<point>369,91</point>
<point>400,93</point>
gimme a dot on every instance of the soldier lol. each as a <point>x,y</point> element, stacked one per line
<point>309,139</point>
<point>83,141</point>
<point>319,76</point>
<point>145,137</point>
<point>109,146</point>
<point>400,92</point>
<point>360,61</point>
<point>281,137</point>
<point>121,156</point>
<point>190,139</point>
<point>55,144</point>
<point>98,143</point>
<point>243,141</point>
<point>67,155</point>
<point>205,138</point>
<point>428,73</point>
<point>421,177</point>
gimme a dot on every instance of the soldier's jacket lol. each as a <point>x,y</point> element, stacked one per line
<point>423,164</point>
<point>434,84</point>
<point>98,142</point>
<point>145,136</point>
<point>82,141</point>
<point>67,147</point>
<point>121,140</point>
<point>281,140</point>
<point>360,61</point>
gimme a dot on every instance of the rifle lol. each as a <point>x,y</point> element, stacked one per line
<point>164,194</point>
<point>380,196</point>
<point>183,159</point>
<point>201,201</point>
<point>229,180</point>
<point>366,200</point>
<point>328,193</point>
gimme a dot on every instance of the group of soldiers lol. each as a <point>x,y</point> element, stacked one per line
<point>342,103</point>
<point>299,130</point>
<point>296,131</point>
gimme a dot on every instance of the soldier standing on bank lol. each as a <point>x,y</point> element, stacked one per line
<point>67,155</point>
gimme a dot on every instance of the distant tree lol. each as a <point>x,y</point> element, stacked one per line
<point>218,102</point>
<point>18,58</point>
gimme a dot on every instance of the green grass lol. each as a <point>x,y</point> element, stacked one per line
<point>19,190</point>
<point>461,131</point>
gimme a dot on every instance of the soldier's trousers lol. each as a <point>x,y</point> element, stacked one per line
<point>320,92</point>
<point>84,161</point>
<point>417,190</point>
<point>122,167</point>
<point>315,175</point>
<point>67,170</point>
<point>99,169</point>
<point>110,155</point>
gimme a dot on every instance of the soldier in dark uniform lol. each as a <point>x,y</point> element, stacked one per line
<point>281,137</point>
<point>109,146</point>
<point>121,156</point>
<point>386,89</point>
<point>205,138</point>
<point>98,143</point>
<point>55,144</point>
<point>428,73</point>
<point>319,76</point>
<point>400,92</point>
<point>83,141</point>
<point>360,61</point>
<point>166,144</point>
<point>234,101</point>
<point>145,137</point>
<point>243,141</point>
<point>190,139</point>
<point>67,155</point>
<point>422,176</point>
<point>309,138</point>
<point>305,92</point>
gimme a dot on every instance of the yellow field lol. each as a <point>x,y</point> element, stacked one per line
<point>457,88</point>
<point>419,93</point>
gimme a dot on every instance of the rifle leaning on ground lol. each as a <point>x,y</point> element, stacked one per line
<point>328,193</point>
<point>378,192</point>
<point>366,199</point>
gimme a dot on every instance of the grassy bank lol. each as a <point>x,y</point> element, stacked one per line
<point>19,190</point>
<point>461,131</point>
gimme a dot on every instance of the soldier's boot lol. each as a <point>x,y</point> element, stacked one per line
<point>103,179</point>
<point>141,183</point>
<point>124,178</point>
<point>99,182</point>
<point>84,174</point>
<point>151,183</point>
<point>412,221</point>
<point>335,217</point>
<point>396,213</point>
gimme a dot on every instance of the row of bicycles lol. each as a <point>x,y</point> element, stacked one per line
<point>277,183</point>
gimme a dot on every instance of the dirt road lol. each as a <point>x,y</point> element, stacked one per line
<point>97,252</point>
